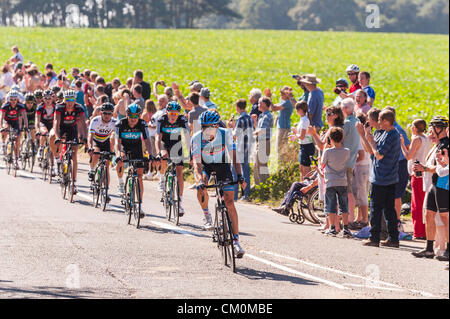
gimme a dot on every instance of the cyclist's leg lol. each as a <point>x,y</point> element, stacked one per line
<point>53,146</point>
<point>5,132</point>
<point>180,179</point>
<point>202,194</point>
<point>140,173</point>
<point>75,162</point>
<point>229,202</point>
<point>120,168</point>
<point>43,130</point>
<point>164,158</point>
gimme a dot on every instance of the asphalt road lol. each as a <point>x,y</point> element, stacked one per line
<point>50,248</point>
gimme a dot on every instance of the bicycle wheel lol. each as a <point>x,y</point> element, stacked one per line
<point>63,181</point>
<point>32,157</point>
<point>316,208</point>
<point>50,164</point>
<point>127,200</point>
<point>167,198</point>
<point>104,188</point>
<point>23,155</point>
<point>137,203</point>
<point>229,240</point>
<point>176,201</point>
<point>71,182</point>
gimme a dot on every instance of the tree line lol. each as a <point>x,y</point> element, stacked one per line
<point>419,16</point>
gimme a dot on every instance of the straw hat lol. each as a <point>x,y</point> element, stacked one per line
<point>310,79</point>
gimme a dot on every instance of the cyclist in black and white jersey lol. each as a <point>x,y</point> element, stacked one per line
<point>168,144</point>
<point>100,137</point>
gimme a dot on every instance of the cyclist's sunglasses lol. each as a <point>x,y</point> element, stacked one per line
<point>107,113</point>
<point>70,100</point>
<point>133,116</point>
<point>350,74</point>
<point>173,113</point>
<point>208,126</point>
<point>48,97</point>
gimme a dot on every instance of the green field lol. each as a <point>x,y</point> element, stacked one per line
<point>409,71</point>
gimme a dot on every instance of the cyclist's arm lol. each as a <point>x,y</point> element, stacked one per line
<point>23,115</point>
<point>2,117</point>
<point>198,175</point>
<point>158,144</point>
<point>37,119</point>
<point>82,125</point>
<point>237,166</point>
<point>118,143</point>
<point>56,125</point>
<point>187,135</point>
<point>148,145</point>
<point>112,143</point>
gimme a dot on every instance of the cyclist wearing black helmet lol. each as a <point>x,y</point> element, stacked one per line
<point>69,121</point>
<point>213,150</point>
<point>39,97</point>
<point>44,119</point>
<point>437,196</point>
<point>130,132</point>
<point>100,135</point>
<point>30,109</point>
<point>169,144</point>
<point>11,116</point>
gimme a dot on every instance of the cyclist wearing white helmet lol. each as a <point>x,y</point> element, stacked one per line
<point>11,117</point>
<point>69,122</point>
<point>353,73</point>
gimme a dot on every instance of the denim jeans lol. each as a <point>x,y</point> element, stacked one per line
<point>246,175</point>
<point>382,200</point>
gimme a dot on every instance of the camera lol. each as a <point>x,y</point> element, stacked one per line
<point>337,90</point>
<point>367,125</point>
<point>295,76</point>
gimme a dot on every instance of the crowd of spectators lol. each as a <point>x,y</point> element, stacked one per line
<point>363,152</point>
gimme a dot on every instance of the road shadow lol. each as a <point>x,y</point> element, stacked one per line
<point>253,274</point>
<point>159,230</point>
<point>48,292</point>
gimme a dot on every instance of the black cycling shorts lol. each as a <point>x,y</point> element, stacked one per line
<point>70,132</point>
<point>176,158</point>
<point>103,146</point>
<point>437,200</point>
<point>135,154</point>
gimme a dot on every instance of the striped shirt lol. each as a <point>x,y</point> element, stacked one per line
<point>244,135</point>
<point>265,123</point>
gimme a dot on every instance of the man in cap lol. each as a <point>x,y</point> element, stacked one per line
<point>205,97</point>
<point>315,100</point>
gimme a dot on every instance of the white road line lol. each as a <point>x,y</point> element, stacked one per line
<point>292,271</point>
<point>328,268</point>
<point>375,287</point>
<point>372,281</point>
<point>177,229</point>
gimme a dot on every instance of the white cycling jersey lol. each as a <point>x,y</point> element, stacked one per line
<point>102,131</point>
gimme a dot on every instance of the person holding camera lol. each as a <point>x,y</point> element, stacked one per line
<point>341,90</point>
<point>437,192</point>
<point>416,153</point>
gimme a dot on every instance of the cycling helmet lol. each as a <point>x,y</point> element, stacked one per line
<point>48,93</point>
<point>353,68</point>
<point>60,95</point>
<point>342,81</point>
<point>210,117</point>
<point>15,88</point>
<point>173,107</point>
<point>38,93</point>
<point>13,95</point>
<point>70,94</point>
<point>439,121</point>
<point>134,109</point>
<point>29,97</point>
<point>107,107</point>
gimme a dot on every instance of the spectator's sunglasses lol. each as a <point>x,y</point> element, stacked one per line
<point>329,113</point>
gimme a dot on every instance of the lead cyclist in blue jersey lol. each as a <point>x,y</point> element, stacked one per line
<point>212,148</point>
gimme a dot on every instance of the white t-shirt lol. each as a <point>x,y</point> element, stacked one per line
<point>154,120</point>
<point>366,160</point>
<point>303,125</point>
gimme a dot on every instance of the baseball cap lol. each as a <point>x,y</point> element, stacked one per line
<point>205,92</point>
